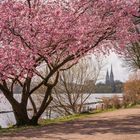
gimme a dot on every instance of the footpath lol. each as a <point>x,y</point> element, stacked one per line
<point>123,124</point>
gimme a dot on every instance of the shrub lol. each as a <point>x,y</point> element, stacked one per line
<point>132,90</point>
<point>115,102</point>
<point>111,102</point>
<point>106,102</point>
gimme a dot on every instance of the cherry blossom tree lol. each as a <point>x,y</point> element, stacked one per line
<point>55,34</point>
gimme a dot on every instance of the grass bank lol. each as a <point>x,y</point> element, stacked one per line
<point>45,122</point>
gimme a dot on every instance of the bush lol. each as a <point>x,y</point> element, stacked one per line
<point>132,90</point>
<point>106,102</point>
<point>113,102</point>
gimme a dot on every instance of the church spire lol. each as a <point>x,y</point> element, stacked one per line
<point>107,78</point>
<point>111,75</point>
<point>112,83</point>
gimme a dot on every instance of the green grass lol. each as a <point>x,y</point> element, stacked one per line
<point>73,117</point>
<point>63,119</point>
<point>12,130</point>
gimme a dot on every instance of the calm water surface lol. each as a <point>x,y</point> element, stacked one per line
<point>7,119</point>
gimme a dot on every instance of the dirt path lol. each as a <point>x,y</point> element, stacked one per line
<point>122,124</point>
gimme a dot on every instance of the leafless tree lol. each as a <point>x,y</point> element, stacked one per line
<point>76,85</point>
<point>131,54</point>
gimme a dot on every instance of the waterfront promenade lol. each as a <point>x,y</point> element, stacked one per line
<point>123,124</point>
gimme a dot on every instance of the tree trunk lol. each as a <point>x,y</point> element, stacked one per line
<point>21,116</point>
<point>20,109</point>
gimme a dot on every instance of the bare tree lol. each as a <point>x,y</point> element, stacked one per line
<point>131,54</point>
<point>76,85</point>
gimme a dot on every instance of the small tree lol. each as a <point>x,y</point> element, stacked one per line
<point>76,85</point>
<point>131,54</point>
<point>54,35</point>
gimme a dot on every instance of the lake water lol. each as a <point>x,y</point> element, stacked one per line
<point>7,119</point>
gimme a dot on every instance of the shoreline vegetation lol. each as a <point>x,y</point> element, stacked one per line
<point>45,122</point>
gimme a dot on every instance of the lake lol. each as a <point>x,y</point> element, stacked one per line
<point>7,119</point>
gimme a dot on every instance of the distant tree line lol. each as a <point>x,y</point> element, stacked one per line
<point>104,88</point>
<point>90,87</point>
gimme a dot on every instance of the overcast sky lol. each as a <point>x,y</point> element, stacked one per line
<point>120,73</point>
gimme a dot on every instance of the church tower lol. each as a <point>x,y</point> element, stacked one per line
<point>111,76</point>
<point>110,80</point>
<point>107,78</point>
<point>112,83</point>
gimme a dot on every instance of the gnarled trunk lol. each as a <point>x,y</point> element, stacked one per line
<point>21,113</point>
<point>20,109</point>
<point>21,116</point>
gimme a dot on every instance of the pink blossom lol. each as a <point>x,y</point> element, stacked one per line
<point>55,30</point>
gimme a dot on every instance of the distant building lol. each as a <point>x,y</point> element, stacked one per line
<point>107,82</point>
<point>110,85</point>
<point>110,80</point>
